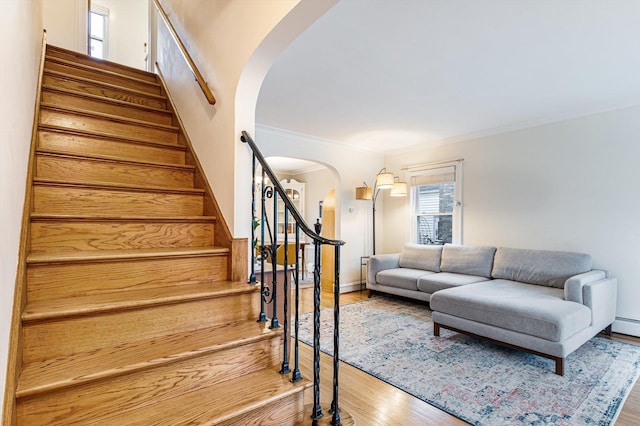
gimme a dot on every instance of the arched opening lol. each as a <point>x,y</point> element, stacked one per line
<point>309,183</point>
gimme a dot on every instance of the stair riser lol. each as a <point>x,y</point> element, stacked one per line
<point>68,56</point>
<point>64,168</point>
<point>51,339</point>
<point>72,200</point>
<point>64,280</point>
<point>91,104</point>
<point>74,121</point>
<point>287,411</point>
<point>104,91</point>
<point>118,395</point>
<point>51,236</point>
<point>98,75</point>
<point>87,145</point>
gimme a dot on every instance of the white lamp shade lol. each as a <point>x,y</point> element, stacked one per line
<point>384,180</point>
<point>399,189</point>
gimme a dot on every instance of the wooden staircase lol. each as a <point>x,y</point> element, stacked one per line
<point>131,316</point>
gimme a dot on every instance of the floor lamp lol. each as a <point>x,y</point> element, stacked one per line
<point>384,180</point>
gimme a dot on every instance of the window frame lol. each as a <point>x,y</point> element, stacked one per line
<point>434,169</point>
<point>104,12</point>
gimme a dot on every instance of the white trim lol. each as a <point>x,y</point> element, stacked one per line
<point>457,219</point>
<point>329,143</point>
<point>104,12</point>
<point>152,54</point>
<point>626,326</point>
<point>510,128</point>
<point>350,287</point>
<point>421,167</point>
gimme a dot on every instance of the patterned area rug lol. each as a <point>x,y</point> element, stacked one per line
<point>479,382</point>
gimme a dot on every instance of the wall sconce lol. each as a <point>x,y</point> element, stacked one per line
<point>384,180</point>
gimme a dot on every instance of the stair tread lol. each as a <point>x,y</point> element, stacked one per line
<point>114,159</point>
<point>41,310</point>
<point>84,367</point>
<point>74,64</point>
<point>107,255</point>
<point>91,133</point>
<point>120,218</point>
<point>110,117</point>
<point>104,99</point>
<point>103,84</point>
<point>98,61</point>
<point>87,292</point>
<point>214,404</point>
<point>116,186</point>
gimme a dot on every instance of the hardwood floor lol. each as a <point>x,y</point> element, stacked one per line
<point>373,402</point>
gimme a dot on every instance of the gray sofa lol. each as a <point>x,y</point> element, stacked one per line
<point>545,302</point>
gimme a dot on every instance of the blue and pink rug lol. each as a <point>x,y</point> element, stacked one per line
<point>479,382</point>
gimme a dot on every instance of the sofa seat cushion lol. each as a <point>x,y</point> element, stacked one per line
<point>435,282</point>
<point>405,278</point>
<point>524,308</point>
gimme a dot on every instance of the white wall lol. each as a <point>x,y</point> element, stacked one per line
<point>128,31</point>
<point>349,168</point>
<point>21,40</point>
<point>66,23</point>
<point>234,44</point>
<point>318,184</point>
<point>572,185</point>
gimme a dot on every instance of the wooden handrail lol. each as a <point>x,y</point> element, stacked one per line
<point>192,65</point>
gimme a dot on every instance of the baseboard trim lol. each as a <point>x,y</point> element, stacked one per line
<point>627,326</point>
<point>349,287</point>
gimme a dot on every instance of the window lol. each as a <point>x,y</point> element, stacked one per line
<point>98,31</point>
<point>436,213</point>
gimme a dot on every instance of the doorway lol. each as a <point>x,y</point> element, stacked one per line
<point>98,31</point>
<point>118,30</point>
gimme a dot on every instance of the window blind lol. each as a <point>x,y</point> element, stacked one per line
<point>430,177</point>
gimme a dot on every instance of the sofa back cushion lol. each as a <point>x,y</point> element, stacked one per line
<point>418,256</point>
<point>541,267</point>
<point>469,260</point>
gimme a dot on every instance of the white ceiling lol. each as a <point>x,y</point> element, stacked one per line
<point>387,74</point>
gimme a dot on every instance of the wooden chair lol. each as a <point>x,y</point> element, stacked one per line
<point>291,254</point>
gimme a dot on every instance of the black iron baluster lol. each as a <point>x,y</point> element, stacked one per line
<point>335,409</point>
<point>296,376</point>
<point>252,276</point>
<point>273,192</point>
<point>285,302</point>
<point>263,291</point>
<point>274,281</point>
<point>317,409</point>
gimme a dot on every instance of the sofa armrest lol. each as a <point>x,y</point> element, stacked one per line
<point>573,287</point>
<point>380,262</point>
<point>602,298</point>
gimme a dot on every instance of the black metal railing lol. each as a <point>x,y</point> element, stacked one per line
<point>266,246</point>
